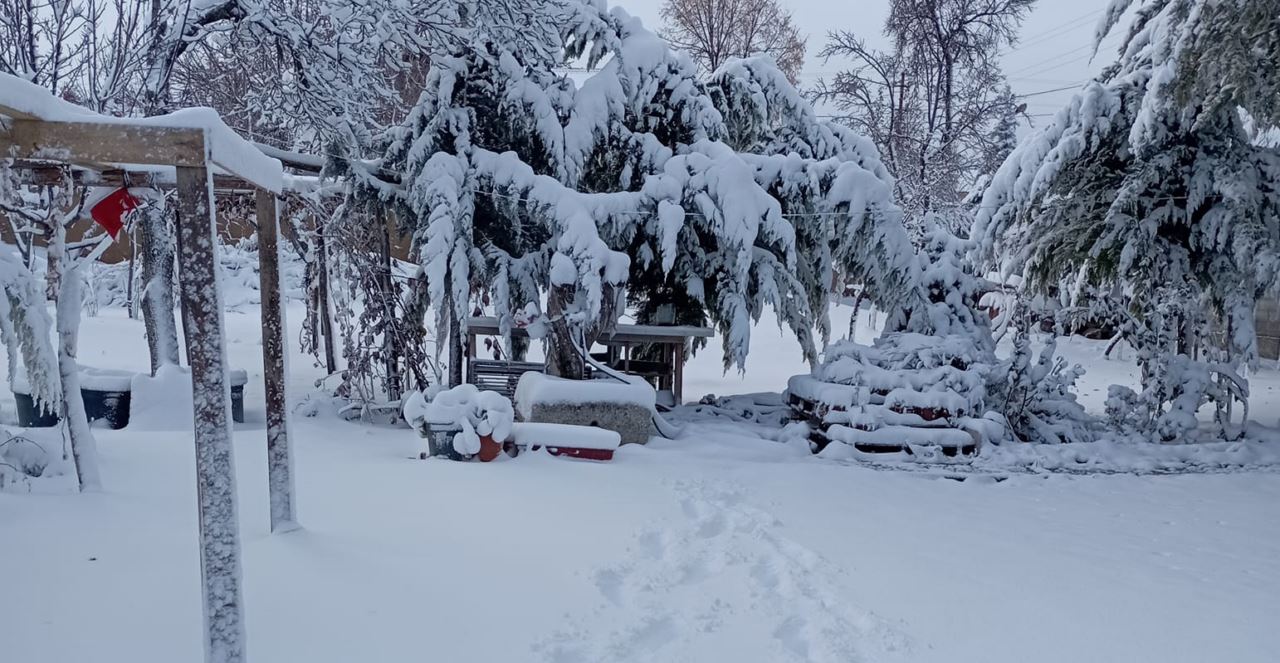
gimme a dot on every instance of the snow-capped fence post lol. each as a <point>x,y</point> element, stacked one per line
<point>215,468</point>
<point>279,454</point>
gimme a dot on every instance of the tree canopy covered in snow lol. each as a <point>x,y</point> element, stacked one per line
<point>518,180</point>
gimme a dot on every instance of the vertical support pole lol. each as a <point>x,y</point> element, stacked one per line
<point>326,317</point>
<point>215,466</point>
<point>279,453</point>
<point>456,354</point>
<point>390,342</point>
<point>133,259</point>
<point>679,367</point>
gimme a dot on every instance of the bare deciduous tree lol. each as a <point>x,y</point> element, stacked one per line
<point>37,40</point>
<point>936,103</point>
<point>714,31</point>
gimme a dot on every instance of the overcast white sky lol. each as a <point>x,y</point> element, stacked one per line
<point>1053,51</point>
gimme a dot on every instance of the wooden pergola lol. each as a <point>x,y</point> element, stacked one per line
<point>188,152</point>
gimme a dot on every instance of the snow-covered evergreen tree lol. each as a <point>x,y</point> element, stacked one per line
<point>519,181</point>
<point>1148,181</point>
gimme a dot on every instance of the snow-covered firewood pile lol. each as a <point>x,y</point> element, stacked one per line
<point>906,390</point>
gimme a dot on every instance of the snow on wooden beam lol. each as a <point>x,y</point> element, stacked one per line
<point>44,172</point>
<point>21,101</point>
<point>95,143</point>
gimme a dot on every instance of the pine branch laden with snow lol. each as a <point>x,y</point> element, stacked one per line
<point>1148,181</point>
<point>730,191</point>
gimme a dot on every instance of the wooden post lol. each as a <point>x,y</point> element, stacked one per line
<point>215,466</point>
<point>279,453</point>
<point>678,389</point>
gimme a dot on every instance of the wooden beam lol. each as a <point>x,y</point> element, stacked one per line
<point>40,172</point>
<point>279,453</point>
<point>211,403</point>
<point>96,143</point>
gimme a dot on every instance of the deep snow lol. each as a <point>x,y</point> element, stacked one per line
<point>717,546</point>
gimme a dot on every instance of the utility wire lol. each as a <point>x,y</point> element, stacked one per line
<point>1041,37</point>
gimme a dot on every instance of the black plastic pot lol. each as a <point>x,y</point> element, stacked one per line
<point>111,406</point>
<point>440,441</point>
<point>29,416</point>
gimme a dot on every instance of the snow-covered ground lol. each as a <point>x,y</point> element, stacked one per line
<point>718,546</point>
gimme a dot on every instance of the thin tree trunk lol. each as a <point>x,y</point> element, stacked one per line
<point>563,359</point>
<point>215,466</point>
<point>84,448</point>
<point>456,352</point>
<point>156,236</point>
<point>323,310</point>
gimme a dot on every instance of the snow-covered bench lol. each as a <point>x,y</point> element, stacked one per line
<point>585,442</point>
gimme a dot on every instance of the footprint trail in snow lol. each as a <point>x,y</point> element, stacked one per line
<point>721,584</point>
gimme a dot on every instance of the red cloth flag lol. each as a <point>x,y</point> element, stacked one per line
<point>109,212</point>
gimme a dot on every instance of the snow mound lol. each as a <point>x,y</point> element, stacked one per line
<point>164,402</point>
<point>475,413</point>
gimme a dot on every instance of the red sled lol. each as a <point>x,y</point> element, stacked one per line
<point>585,454</point>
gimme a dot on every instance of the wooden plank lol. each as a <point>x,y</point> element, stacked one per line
<point>211,404</point>
<point>46,172</point>
<point>96,143</point>
<point>10,112</point>
<point>624,334</point>
<point>279,453</point>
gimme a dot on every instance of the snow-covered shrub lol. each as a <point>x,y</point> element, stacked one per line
<point>1034,394</point>
<point>1183,368</point>
<point>475,413</point>
<point>22,457</point>
<point>1175,389</point>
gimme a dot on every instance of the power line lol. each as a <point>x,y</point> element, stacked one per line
<point>1053,58</point>
<point>1056,89</point>
<point>1070,26</point>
